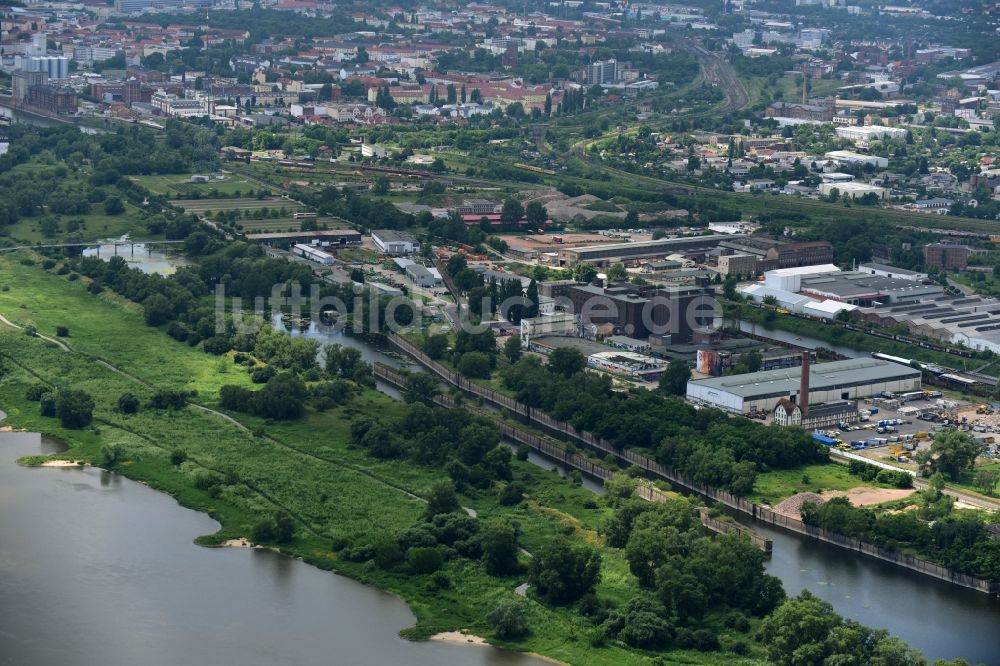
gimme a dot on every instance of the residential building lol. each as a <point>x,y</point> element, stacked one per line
<point>787,413</point>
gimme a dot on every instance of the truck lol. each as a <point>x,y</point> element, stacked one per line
<point>859,444</point>
<point>824,439</point>
<point>913,395</point>
<point>872,410</point>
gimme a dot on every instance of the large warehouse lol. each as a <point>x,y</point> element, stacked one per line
<point>828,382</point>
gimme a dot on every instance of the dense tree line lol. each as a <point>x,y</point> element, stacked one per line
<point>932,528</point>
<point>706,445</point>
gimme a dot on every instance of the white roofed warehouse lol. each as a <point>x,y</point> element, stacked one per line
<point>828,382</point>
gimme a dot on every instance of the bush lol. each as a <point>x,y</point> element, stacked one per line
<point>263,531</point>
<point>35,392</point>
<point>424,560</point>
<point>110,455</point>
<point>177,456</point>
<point>205,480</point>
<point>508,620</point>
<point>128,403</point>
<point>95,288</point>
<point>62,331</point>
<point>165,399</point>
<point>896,479</point>
<point>47,404</point>
<point>217,345</point>
<point>75,409</point>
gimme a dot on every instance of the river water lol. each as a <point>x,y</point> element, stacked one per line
<point>942,620</point>
<point>98,569</point>
<point>147,258</point>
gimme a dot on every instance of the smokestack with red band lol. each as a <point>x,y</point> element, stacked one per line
<point>804,385</point>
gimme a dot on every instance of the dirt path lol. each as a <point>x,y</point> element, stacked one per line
<point>57,343</point>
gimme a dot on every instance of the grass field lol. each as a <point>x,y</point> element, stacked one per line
<point>777,485</point>
<point>107,326</point>
<point>96,226</point>
<point>172,185</point>
<point>333,491</point>
<point>250,203</point>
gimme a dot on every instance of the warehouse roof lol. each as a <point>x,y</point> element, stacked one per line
<point>823,376</point>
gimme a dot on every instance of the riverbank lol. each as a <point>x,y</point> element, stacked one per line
<point>338,496</point>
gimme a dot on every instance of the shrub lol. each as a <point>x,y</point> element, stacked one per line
<point>128,403</point>
<point>95,288</point>
<point>47,404</point>
<point>62,331</point>
<point>35,392</point>
<point>75,409</point>
<point>424,560</point>
<point>508,620</point>
<point>177,456</point>
<point>110,455</point>
<point>263,531</point>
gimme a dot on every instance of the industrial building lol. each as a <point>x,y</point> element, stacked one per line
<point>557,323</point>
<point>828,283</point>
<point>423,276</point>
<point>852,379</point>
<point>390,241</point>
<point>628,364</point>
<point>314,254</point>
<point>973,321</point>
<point>853,190</point>
<point>605,255</point>
<point>885,270</point>
<point>946,255</point>
<point>325,237</point>
<point>642,310</point>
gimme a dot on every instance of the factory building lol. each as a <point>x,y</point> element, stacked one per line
<point>428,278</point>
<point>324,237</point>
<point>605,255</point>
<point>639,311</point>
<point>314,254</point>
<point>390,241</point>
<point>852,379</point>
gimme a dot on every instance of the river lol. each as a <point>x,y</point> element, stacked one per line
<point>98,569</point>
<point>146,258</point>
<point>942,620</point>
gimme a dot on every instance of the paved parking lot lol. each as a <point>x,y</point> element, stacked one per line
<point>983,426</point>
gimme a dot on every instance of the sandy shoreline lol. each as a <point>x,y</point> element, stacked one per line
<point>458,637</point>
<point>236,543</point>
<point>61,463</point>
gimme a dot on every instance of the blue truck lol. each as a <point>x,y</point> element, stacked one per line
<point>823,439</point>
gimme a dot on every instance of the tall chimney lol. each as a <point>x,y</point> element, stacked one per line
<point>804,385</point>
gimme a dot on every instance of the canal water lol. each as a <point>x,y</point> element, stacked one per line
<point>98,569</point>
<point>798,341</point>
<point>941,620</point>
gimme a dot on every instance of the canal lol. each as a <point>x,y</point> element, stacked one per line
<point>941,620</point>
